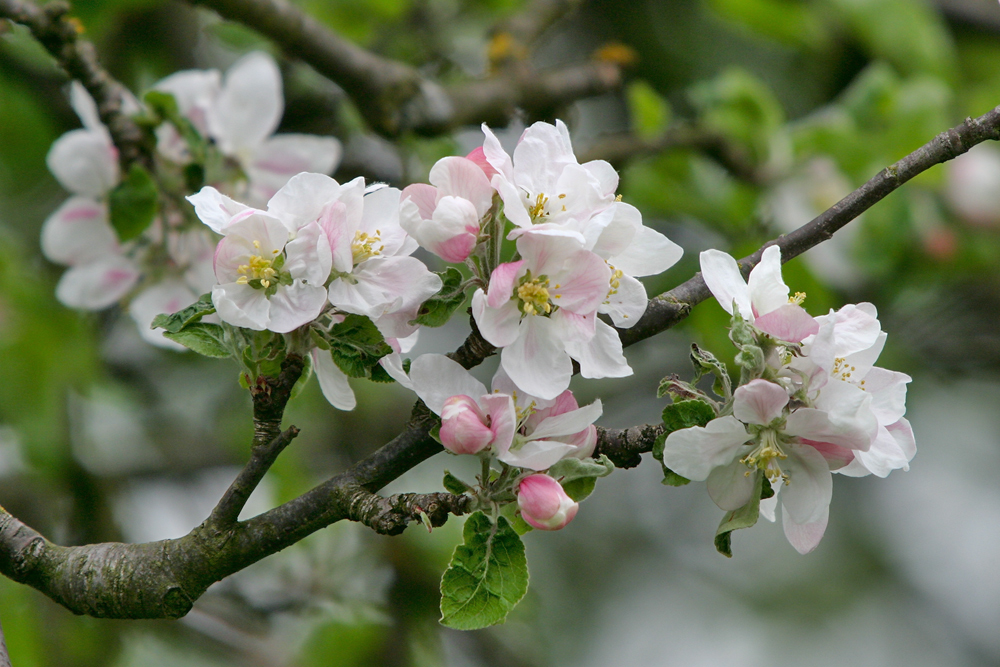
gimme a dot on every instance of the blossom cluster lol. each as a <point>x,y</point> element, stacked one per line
<point>812,402</point>
<point>170,263</point>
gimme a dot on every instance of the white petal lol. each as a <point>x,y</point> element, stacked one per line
<point>649,254</point>
<point>807,495</point>
<point>694,452</point>
<point>722,276</point>
<point>537,454</point>
<point>295,305</point>
<point>282,156</point>
<point>166,297</point>
<point>78,232</point>
<point>767,289</point>
<point>308,255</point>
<point>729,486</point>
<point>249,105</point>
<point>436,378</point>
<point>85,107</point>
<point>805,536</point>
<point>460,177</point>
<point>537,361</point>
<point>84,162</point>
<point>214,208</point>
<point>97,285</point>
<point>567,423</point>
<point>302,199</point>
<point>601,356</point>
<point>332,381</point>
<point>241,305</point>
<point>500,326</point>
<point>627,304</point>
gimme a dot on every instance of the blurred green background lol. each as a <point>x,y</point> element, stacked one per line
<point>103,437</point>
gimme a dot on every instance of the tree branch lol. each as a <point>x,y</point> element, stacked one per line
<point>60,37</point>
<point>623,446</point>
<point>394,96</point>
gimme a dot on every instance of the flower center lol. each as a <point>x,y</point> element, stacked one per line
<point>364,246</point>
<point>533,293</point>
<point>258,272</point>
<point>538,211</point>
<point>843,371</point>
<point>797,298</point>
<point>766,456</point>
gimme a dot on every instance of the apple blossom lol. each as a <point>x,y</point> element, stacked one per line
<point>763,300</point>
<point>544,504</point>
<point>541,310</point>
<point>794,446</point>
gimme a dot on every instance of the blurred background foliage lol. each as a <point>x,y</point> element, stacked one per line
<point>105,438</point>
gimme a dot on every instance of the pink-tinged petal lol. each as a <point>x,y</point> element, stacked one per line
<point>543,152</point>
<point>537,361</point>
<point>308,255</point>
<point>627,304</point>
<point>766,287</point>
<point>460,177</point>
<point>381,285</point>
<point>821,426</point>
<point>305,196</point>
<point>340,233</point>
<point>249,106</point>
<point>282,156</point>
<point>548,254</point>
<point>568,423</point>
<point>805,537</point>
<point>84,162</point>
<point>194,91</point>
<point>478,157</point>
<point>544,504</point>
<point>722,276</point>
<point>242,305</point>
<point>789,323</point>
<point>78,232</point>
<point>806,497</point>
<point>650,253</point>
<point>503,419</point>
<point>575,330</point>
<point>500,326</point>
<point>463,427</point>
<point>258,234</point>
<point>494,155</point>
<point>601,356</point>
<point>456,249</point>
<point>501,287</point>
<point>295,305</point>
<point>584,442</point>
<point>836,456</point>
<point>215,209</point>
<point>893,449</point>
<point>729,486</point>
<point>97,285</point>
<point>694,452</point>
<point>332,381</point>
<point>451,233</point>
<point>436,378</point>
<point>583,285</point>
<point>536,454</point>
<point>425,198</point>
<point>759,402</point>
<point>166,297</point>
<point>564,402</point>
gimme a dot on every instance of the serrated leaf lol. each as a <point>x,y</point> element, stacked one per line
<point>133,203</point>
<point>201,337</point>
<point>685,414</point>
<point>487,576</point>
<point>438,309</point>
<point>743,517</point>
<point>705,363</point>
<point>570,469</point>
<point>176,321</point>
<point>356,345</point>
<point>453,484</point>
<point>512,513</point>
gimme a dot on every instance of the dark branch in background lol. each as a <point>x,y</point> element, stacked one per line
<point>525,27</point>
<point>261,458</point>
<point>162,579</point>
<point>395,97</point>
<point>60,37</point>
<point>620,148</point>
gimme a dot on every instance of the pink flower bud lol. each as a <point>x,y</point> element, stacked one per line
<point>463,426</point>
<point>544,504</point>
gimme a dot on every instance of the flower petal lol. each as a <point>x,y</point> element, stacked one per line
<point>78,232</point>
<point>536,361</point>
<point>85,162</point>
<point>295,305</point>
<point>806,497</point>
<point>759,402</point>
<point>729,486</point>
<point>500,326</point>
<point>567,423</point>
<point>436,378</point>
<point>282,156</point>
<point>722,276</point>
<point>805,536</point>
<point>766,287</point>
<point>249,105</point>
<point>332,381</point>
<point>215,209</point>
<point>97,285</point>
<point>789,322</point>
<point>601,356</point>
<point>694,452</point>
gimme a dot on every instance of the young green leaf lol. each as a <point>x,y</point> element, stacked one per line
<point>356,345</point>
<point>743,517</point>
<point>453,484</point>
<point>176,321</point>
<point>201,337</point>
<point>133,204</point>
<point>437,310</point>
<point>685,414</point>
<point>487,576</point>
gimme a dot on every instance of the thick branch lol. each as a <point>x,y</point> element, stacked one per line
<point>60,37</point>
<point>394,96</point>
<point>625,445</point>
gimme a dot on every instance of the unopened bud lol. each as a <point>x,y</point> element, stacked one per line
<point>463,426</point>
<point>544,504</point>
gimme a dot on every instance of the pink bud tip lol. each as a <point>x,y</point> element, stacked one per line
<point>544,504</point>
<point>463,426</point>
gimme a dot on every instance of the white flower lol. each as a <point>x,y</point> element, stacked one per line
<point>763,300</point>
<point>542,310</point>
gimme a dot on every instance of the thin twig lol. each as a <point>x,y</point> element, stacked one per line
<point>235,498</point>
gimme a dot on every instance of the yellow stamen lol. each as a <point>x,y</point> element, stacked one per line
<point>766,456</point>
<point>534,297</point>
<point>797,298</point>
<point>364,248</point>
<point>538,210</point>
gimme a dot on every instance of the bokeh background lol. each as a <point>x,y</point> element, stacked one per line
<point>103,437</point>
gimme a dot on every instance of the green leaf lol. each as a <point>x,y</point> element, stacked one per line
<point>487,576</point>
<point>743,517</point>
<point>203,338</point>
<point>705,363</point>
<point>439,308</point>
<point>649,111</point>
<point>512,513</point>
<point>133,203</point>
<point>356,345</point>
<point>453,484</point>
<point>568,470</point>
<point>307,373</point>
<point>580,489</point>
<point>182,318</point>
<point>686,414</point>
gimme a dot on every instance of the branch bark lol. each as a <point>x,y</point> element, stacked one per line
<point>61,38</point>
<point>394,96</point>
